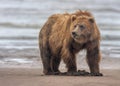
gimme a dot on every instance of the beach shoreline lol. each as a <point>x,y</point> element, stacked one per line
<point>32,77</point>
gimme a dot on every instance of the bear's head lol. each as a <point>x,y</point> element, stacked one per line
<point>84,29</point>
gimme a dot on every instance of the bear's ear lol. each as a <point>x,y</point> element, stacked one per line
<point>73,17</point>
<point>91,20</point>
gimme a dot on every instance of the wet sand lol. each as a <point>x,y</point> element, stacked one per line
<point>27,71</point>
<point>32,77</point>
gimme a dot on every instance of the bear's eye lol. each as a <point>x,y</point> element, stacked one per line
<point>75,26</point>
<point>82,26</point>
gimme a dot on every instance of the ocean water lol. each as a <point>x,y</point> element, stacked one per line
<point>21,21</point>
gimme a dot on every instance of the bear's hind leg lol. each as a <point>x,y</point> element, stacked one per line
<point>55,62</point>
<point>45,56</point>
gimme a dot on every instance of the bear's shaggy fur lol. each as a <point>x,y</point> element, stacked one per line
<point>63,36</point>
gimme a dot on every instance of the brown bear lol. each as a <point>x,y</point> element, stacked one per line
<point>63,36</point>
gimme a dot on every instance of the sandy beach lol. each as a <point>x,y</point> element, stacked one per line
<point>32,77</point>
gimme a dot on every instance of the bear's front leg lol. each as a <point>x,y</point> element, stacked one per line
<point>93,59</point>
<point>70,61</point>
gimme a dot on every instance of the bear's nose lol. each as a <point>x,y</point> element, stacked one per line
<point>74,34</point>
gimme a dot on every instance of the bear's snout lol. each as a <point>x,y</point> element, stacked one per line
<point>74,34</point>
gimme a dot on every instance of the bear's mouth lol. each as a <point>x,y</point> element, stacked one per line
<point>78,37</point>
<point>75,36</point>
